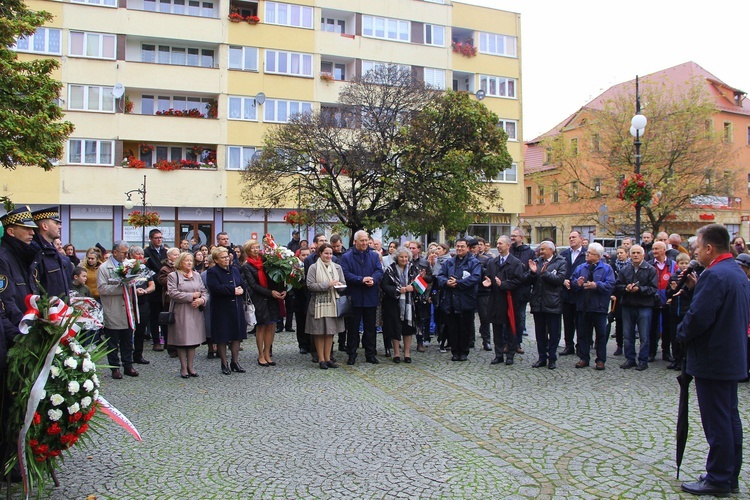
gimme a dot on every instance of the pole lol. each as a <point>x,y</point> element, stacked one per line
<point>637,162</point>
<point>143,229</point>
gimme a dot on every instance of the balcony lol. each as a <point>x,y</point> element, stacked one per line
<point>170,129</point>
<point>190,79</point>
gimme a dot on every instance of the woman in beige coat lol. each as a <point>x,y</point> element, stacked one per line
<point>322,316</point>
<point>188,298</point>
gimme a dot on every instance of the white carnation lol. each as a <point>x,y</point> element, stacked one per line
<point>88,385</point>
<point>88,366</point>
<point>95,379</point>
<point>86,402</point>
<point>76,348</point>
<point>73,387</point>
<point>54,415</point>
<point>58,350</point>
<point>71,363</point>
<point>96,395</point>
<point>75,408</point>
<point>56,399</point>
<point>54,371</point>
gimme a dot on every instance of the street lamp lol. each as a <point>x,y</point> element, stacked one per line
<point>637,128</point>
<point>129,205</point>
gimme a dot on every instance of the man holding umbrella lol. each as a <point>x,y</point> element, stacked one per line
<point>715,335</point>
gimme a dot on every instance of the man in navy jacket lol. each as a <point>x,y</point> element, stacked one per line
<point>363,272</point>
<point>714,331</point>
<point>574,256</point>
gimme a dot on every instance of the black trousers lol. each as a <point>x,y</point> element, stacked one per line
<point>154,308</point>
<point>365,315</point>
<point>660,327</point>
<point>140,330</point>
<point>521,321</point>
<point>570,319</point>
<point>459,328</point>
<point>303,339</point>
<point>502,336</point>
<point>120,343</point>
<point>483,309</point>
<point>547,329</point>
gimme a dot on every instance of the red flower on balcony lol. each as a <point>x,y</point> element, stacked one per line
<point>236,17</point>
<point>707,216</point>
<point>189,113</point>
<point>466,49</point>
<point>252,19</point>
<point>166,165</point>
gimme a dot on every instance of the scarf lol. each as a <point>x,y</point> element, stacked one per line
<point>325,302</point>
<point>24,252</point>
<point>258,264</point>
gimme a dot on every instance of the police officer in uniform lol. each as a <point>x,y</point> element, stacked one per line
<point>18,264</point>
<point>54,273</point>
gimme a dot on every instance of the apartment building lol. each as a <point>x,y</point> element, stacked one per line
<point>153,85</point>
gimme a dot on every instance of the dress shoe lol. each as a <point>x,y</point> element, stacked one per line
<point>641,367</point>
<point>141,361</point>
<point>211,355</point>
<point>618,352</point>
<point>582,364</point>
<point>172,353</point>
<point>672,365</point>
<point>158,347</point>
<point>487,346</point>
<point>420,348</point>
<point>600,365</point>
<point>272,363</point>
<point>332,364</point>
<point>387,353</point>
<point>372,360</point>
<point>651,359</point>
<point>735,483</point>
<point>116,374</point>
<point>193,374</point>
<point>552,365</point>
<point>463,358</point>
<point>703,487</point>
<point>235,367</point>
<point>187,375</point>
<point>226,371</point>
<point>539,364</point>
<point>497,360</point>
<point>302,350</point>
<point>454,358</point>
<point>342,347</point>
<point>567,351</point>
<point>509,360</point>
<point>130,372</point>
<point>667,357</point>
<point>351,360</point>
<point>323,365</point>
<point>407,359</point>
<point>279,329</point>
<point>396,359</point>
<point>260,363</point>
<point>519,350</point>
<point>627,365</point>
<point>289,329</point>
<point>314,357</point>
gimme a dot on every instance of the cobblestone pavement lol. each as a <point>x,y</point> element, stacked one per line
<point>431,429</point>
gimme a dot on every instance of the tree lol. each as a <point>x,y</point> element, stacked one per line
<point>394,153</point>
<point>682,156</point>
<point>31,132</point>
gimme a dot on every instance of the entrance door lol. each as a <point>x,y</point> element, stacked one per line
<point>204,231</point>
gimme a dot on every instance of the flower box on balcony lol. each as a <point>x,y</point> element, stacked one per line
<point>707,216</point>
<point>466,49</point>
<point>188,113</point>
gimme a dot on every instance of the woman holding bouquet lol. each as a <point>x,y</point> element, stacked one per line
<point>188,298</point>
<point>322,316</point>
<point>266,297</point>
<point>398,303</point>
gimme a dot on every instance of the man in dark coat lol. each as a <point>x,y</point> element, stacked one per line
<point>18,264</point>
<point>363,272</point>
<point>714,331</point>
<point>547,275</point>
<point>483,296</point>
<point>574,256</point>
<point>155,253</point>
<point>54,274</point>
<point>422,303</point>
<point>636,283</point>
<point>523,252</point>
<point>503,277</point>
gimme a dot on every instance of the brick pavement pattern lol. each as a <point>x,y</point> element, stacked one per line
<point>431,429</point>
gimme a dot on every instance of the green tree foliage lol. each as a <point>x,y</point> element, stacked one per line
<point>31,132</point>
<point>393,153</point>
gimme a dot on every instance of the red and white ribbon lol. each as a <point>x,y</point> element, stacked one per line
<point>57,314</point>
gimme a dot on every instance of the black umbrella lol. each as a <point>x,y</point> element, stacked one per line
<point>681,431</point>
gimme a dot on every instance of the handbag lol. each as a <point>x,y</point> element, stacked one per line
<point>249,309</point>
<point>344,306</point>
<point>167,317</point>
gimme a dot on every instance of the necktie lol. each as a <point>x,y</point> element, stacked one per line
<point>502,261</point>
<point>544,267</point>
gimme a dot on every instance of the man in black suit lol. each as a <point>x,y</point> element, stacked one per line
<point>504,277</point>
<point>574,256</point>
<point>155,253</point>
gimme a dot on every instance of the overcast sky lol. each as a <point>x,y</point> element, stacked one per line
<point>574,50</point>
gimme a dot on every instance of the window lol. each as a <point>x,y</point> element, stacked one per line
<point>498,86</point>
<point>728,133</point>
<point>595,143</point>
<point>498,45</point>
<point>150,104</point>
<point>105,3</point>
<point>507,175</point>
<point>90,98</point>
<point>371,65</point>
<point>180,56</point>
<point>96,45</point>
<point>90,152</point>
<point>586,232</point>
<point>435,78</point>
<point>42,41</point>
<point>574,190</point>
<point>332,25</point>
<point>748,136</point>
<point>574,146</point>
<point>289,15</point>
<point>288,63</point>
<point>85,233</point>
<point>388,29</point>
<point>244,58</point>
<point>242,108</point>
<point>555,195</point>
<point>543,233</point>
<point>434,35</point>
<point>238,157</point>
<point>337,70</point>
<point>529,199</point>
<point>184,7</point>
<point>510,127</point>
<point>541,195</point>
<point>281,111</point>
<point>335,116</point>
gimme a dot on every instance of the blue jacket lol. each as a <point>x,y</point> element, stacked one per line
<point>462,298</point>
<point>596,300</point>
<point>715,327</point>
<point>54,275</point>
<point>358,265</point>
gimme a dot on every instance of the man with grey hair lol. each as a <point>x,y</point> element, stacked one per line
<point>117,328</point>
<point>594,281</point>
<point>636,283</point>
<point>547,275</point>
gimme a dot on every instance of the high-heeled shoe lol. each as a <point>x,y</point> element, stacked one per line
<point>272,363</point>
<point>262,364</point>
<point>225,369</point>
<point>323,365</point>
<point>184,376</point>
<point>236,367</point>
<point>193,374</point>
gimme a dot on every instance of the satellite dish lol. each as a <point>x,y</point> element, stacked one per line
<point>260,98</point>
<point>481,94</point>
<point>118,90</point>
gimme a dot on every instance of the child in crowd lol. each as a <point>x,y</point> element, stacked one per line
<point>678,307</point>
<point>79,283</point>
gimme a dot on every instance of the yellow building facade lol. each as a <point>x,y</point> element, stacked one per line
<point>155,84</point>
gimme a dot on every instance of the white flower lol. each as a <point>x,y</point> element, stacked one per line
<point>73,387</point>
<point>85,402</point>
<point>74,409</point>
<point>54,415</point>
<point>71,363</point>
<point>87,355</point>
<point>95,379</point>
<point>96,395</point>
<point>43,395</point>
<point>76,348</point>
<point>58,350</point>
<point>54,371</point>
<point>88,385</point>
<point>88,366</point>
<point>56,400</point>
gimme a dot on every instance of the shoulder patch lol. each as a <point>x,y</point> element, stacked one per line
<point>3,282</point>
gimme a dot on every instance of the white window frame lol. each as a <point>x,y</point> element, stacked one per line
<point>371,26</point>
<point>509,175</point>
<point>484,84</point>
<point>243,53</point>
<point>186,52</point>
<point>430,29</point>
<point>101,3</point>
<point>97,144</point>
<point>435,77</point>
<point>371,65</point>
<point>86,96</point>
<point>245,155</point>
<point>489,43</point>
<point>246,104</point>
<point>93,40</point>
<point>273,106</point>
<point>31,40</point>
<point>505,126</point>
<point>283,14</point>
<point>275,58</point>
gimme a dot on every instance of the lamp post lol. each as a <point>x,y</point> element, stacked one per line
<point>129,205</point>
<point>637,128</point>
